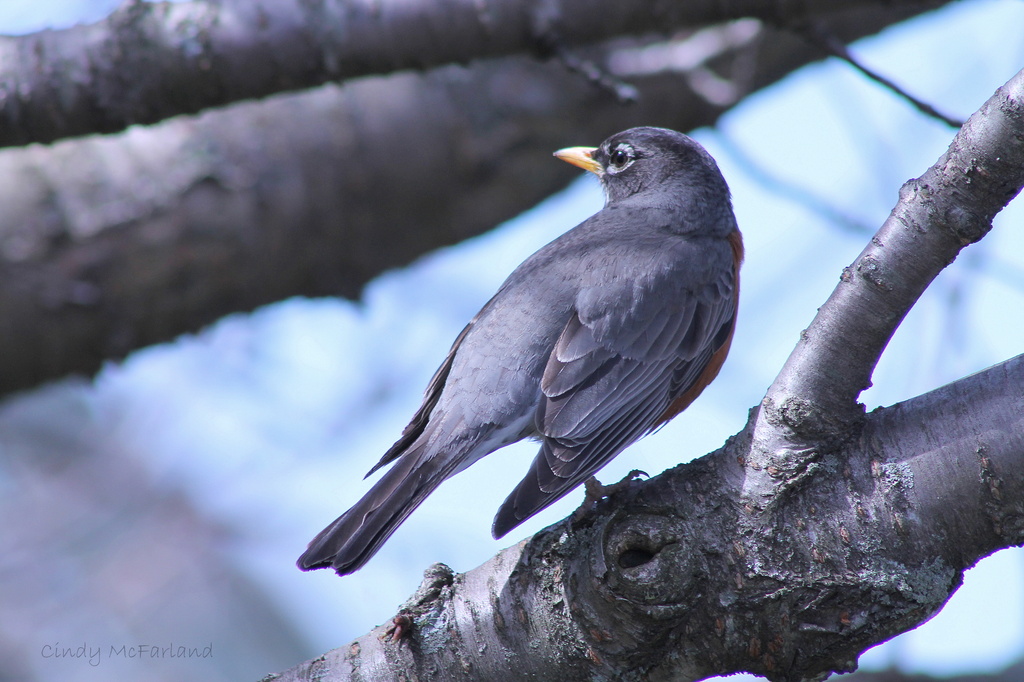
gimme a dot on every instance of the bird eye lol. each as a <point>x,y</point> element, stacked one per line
<point>620,157</point>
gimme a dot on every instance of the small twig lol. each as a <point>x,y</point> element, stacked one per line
<point>624,92</point>
<point>399,627</point>
<point>821,37</point>
<point>548,43</point>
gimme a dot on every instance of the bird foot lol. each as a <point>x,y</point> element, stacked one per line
<point>595,491</point>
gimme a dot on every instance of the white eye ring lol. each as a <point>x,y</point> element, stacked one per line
<point>620,158</point>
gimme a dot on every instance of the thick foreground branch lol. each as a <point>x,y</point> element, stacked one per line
<point>150,61</point>
<point>678,578</point>
<point>814,398</point>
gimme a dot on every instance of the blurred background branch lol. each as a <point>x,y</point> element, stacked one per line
<point>115,243</point>
<point>150,61</point>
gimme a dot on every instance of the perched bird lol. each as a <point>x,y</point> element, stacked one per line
<point>593,342</point>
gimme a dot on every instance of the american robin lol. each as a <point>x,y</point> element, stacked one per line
<point>593,342</point>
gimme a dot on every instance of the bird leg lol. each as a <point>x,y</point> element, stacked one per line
<point>595,491</point>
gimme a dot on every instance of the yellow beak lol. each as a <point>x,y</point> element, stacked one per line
<point>582,157</point>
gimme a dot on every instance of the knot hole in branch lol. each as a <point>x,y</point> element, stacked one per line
<point>631,557</point>
<point>647,560</point>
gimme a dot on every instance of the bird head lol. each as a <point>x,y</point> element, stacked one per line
<point>650,161</point>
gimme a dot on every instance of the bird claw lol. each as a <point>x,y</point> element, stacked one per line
<point>609,490</point>
<point>595,491</point>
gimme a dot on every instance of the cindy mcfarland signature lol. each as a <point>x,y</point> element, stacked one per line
<point>93,654</point>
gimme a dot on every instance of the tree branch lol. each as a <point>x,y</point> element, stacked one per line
<point>110,244</point>
<point>947,208</point>
<point>821,37</point>
<point>727,565</point>
<point>150,61</point>
<point>693,582</point>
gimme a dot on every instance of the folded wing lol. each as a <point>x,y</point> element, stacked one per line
<point>631,353</point>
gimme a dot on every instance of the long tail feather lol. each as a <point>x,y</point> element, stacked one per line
<point>355,536</point>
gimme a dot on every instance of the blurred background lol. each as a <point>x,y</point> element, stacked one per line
<point>164,503</point>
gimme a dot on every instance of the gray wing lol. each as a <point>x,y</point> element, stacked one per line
<point>628,353</point>
<point>419,420</point>
<point>416,426</point>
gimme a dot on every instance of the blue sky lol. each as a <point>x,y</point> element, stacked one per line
<point>269,420</point>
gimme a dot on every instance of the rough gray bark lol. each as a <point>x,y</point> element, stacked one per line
<point>109,244</point>
<point>150,61</point>
<point>806,539</point>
